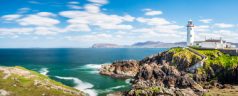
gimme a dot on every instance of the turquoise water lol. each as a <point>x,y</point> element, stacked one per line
<point>76,67</point>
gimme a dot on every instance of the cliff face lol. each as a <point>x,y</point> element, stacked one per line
<point>167,73</point>
<point>17,81</point>
<point>121,69</point>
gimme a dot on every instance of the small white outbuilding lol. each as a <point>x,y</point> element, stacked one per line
<point>214,44</point>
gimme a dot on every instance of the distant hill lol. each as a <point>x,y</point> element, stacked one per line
<point>147,44</point>
<point>105,45</point>
<point>235,44</point>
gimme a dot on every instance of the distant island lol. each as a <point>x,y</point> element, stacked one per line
<point>146,44</point>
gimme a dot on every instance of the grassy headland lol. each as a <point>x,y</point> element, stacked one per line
<point>18,81</point>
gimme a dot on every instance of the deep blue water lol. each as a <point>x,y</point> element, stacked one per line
<point>76,67</point>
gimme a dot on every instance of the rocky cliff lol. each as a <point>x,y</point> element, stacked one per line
<point>18,81</point>
<point>167,73</point>
<point>121,69</point>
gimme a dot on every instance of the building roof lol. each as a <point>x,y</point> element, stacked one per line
<point>215,40</point>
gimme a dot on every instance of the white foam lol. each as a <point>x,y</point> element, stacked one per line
<point>117,87</point>
<point>80,85</point>
<point>112,89</point>
<point>128,81</point>
<point>44,71</point>
<point>93,66</point>
<point>94,72</point>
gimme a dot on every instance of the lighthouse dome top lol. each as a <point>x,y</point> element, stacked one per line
<point>190,23</point>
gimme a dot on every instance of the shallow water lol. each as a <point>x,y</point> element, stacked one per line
<point>76,67</point>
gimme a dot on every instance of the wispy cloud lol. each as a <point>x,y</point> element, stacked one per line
<point>150,12</point>
<point>206,20</point>
<point>223,25</point>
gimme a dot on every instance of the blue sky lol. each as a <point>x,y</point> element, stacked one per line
<point>81,23</point>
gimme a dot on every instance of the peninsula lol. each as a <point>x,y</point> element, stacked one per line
<point>207,67</point>
<point>169,73</point>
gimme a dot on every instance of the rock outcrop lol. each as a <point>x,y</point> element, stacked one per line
<point>168,78</point>
<point>121,69</point>
<point>167,73</point>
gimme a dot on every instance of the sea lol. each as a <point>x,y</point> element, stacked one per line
<point>76,67</point>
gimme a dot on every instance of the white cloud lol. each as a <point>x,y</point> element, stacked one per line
<point>172,28</point>
<point>146,9</point>
<point>13,31</point>
<point>205,20</point>
<point>153,13</point>
<point>99,1</point>
<point>92,8</point>
<point>128,18</point>
<point>37,20</point>
<point>202,28</point>
<point>34,2</point>
<point>223,25</point>
<point>77,28</point>
<point>46,14</point>
<point>11,17</point>
<point>31,30</point>
<point>150,12</point>
<point>153,21</point>
<point>45,31</point>
<point>117,27</point>
<point>74,7</point>
<point>23,10</point>
<point>73,2</point>
<point>98,19</point>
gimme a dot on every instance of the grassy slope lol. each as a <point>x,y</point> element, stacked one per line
<point>213,57</point>
<point>184,53</point>
<point>21,86</point>
<point>217,57</point>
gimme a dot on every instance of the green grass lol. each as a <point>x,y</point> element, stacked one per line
<point>217,57</point>
<point>21,86</point>
<point>181,53</point>
<point>155,89</point>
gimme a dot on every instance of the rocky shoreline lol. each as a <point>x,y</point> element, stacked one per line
<point>167,73</point>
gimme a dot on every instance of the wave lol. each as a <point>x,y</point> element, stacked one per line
<point>128,81</point>
<point>80,85</point>
<point>93,66</point>
<point>44,71</point>
<point>90,68</point>
<point>112,89</point>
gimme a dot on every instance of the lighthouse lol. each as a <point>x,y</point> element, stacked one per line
<point>190,33</point>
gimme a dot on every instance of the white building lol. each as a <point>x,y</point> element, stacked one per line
<point>208,43</point>
<point>190,33</point>
<point>214,44</point>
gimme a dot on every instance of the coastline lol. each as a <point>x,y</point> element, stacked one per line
<point>151,73</point>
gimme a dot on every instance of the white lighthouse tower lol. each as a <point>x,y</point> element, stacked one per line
<point>190,33</point>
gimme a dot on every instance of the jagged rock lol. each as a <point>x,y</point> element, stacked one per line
<point>4,93</point>
<point>121,69</point>
<point>166,76</point>
<point>157,71</point>
<point>116,94</point>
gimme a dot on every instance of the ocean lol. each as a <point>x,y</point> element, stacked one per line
<point>76,67</point>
